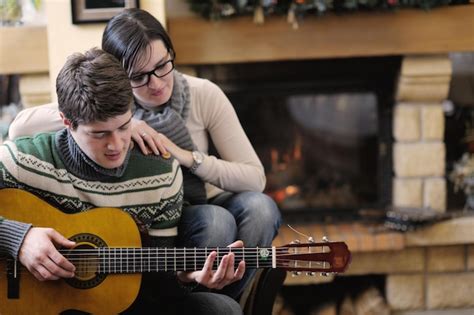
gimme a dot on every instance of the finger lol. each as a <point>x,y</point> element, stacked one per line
<point>55,271</point>
<point>141,144</point>
<point>45,274</point>
<point>229,272</point>
<point>206,272</point>
<point>239,272</point>
<point>221,271</point>
<point>151,143</point>
<point>61,240</point>
<point>162,148</point>
<point>65,267</point>
<point>238,243</point>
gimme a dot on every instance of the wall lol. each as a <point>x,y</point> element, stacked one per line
<point>64,38</point>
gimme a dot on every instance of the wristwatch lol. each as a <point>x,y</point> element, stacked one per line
<point>198,157</point>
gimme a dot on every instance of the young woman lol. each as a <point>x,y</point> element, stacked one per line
<point>179,115</point>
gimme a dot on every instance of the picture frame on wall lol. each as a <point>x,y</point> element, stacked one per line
<point>98,11</point>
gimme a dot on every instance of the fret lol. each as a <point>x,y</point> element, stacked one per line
<point>184,258</point>
<point>157,259</point>
<point>166,259</point>
<point>148,249</point>
<point>121,256</point>
<point>99,269</point>
<point>243,254</point>
<point>195,263</point>
<point>141,260</point>
<point>175,258</point>
<point>126,258</point>
<point>115,260</point>
<point>217,249</point>
<point>256,255</point>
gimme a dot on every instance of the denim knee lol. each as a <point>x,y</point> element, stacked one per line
<point>257,215</point>
<point>257,207</point>
<point>207,226</point>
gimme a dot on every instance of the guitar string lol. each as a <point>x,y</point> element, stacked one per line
<point>113,270</point>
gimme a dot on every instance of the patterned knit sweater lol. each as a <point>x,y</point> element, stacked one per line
<point>53,167</point>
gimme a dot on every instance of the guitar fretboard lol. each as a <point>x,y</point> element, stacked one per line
<point>139,260</point>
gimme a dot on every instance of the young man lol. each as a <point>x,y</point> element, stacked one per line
<point>92,163</point>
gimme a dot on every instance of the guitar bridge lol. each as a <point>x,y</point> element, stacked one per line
<point>13,279</point>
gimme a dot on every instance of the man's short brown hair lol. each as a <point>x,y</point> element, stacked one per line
<point>93,87</point>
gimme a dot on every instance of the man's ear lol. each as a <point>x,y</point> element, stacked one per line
<point>67,123</point>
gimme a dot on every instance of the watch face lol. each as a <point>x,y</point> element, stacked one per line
<point>197,156</point>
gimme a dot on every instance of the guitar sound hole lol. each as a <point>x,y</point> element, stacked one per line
<point>87,262</point>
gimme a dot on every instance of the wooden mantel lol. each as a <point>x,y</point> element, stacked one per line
<point>409,31</point>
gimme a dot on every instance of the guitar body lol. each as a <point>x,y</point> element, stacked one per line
<point>108,227</point>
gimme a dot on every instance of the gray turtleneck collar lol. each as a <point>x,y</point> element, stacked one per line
<point>79,164</point>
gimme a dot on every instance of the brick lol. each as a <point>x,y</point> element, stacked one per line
<point>419,159</point>
<point>407,123</point>
<point>434,194</point>
<point>426,66</point>
<point>407,192</point>
<point>470,257</point>
<point>407,260</point>
<point>405,292</point>
<point>422,92</point>
<point>450,290</point>
<point>432,122</point>
<point>449,232</point>
<point>445,258</point>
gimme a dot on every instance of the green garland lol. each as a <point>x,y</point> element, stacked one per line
<point>216,9</point>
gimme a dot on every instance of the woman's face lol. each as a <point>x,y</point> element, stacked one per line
<point>158,90</point>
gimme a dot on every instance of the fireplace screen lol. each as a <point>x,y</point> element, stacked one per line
<point>322,129</point>
<point>319,151</point>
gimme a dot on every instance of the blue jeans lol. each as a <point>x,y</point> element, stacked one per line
<point>251,217</point>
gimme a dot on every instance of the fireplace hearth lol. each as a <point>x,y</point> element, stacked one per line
<point>322,129</point>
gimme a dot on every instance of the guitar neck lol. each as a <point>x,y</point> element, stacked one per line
<point>139,260</point>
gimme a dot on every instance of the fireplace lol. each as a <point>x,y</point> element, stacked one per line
<point>322,129</point>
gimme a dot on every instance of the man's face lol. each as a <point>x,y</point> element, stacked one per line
<point>105,142</point>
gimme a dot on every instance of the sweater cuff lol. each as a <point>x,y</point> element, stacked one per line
<point>12,234</point>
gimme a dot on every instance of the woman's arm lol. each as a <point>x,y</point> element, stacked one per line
<point>238,167</point>
<point>32,120</point>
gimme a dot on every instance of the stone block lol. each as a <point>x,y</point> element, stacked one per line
<point>434,193</point>
<point>407,192</point>
<point>432,122</point>
<point>405,292</point>
<point>449,290</point>
<point>419,159</point>
<point>446,258</point>
<point>407,122</point>
<point>470,257</point>
<point>426,66</point>
<point>422,92</point>
<point>407,260</point>
<point>450,232</point>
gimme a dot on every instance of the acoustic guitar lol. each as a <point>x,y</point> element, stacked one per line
<point>109,259</point>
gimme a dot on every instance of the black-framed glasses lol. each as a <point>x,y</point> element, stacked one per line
<point>160,71</point>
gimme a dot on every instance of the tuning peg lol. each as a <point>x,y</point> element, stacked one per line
<point>324,274</point>
<point>296,273</point>
<point>310,239</point>
<point>312,273</point>
<point>325,239</point>
<point>296,242</point>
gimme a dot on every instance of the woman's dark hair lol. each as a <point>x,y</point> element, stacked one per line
<point>92,87</point>
<point>128,34</point>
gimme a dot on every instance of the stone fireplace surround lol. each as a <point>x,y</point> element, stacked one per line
<point>428,269</point>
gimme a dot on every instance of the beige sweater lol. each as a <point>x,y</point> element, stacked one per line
<point>238,169</point>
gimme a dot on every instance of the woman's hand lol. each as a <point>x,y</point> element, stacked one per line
<point>39,255</point>
<point>151,141</point>
<point>223,276</point>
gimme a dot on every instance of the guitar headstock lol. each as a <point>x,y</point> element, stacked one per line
<point>325,257</point>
